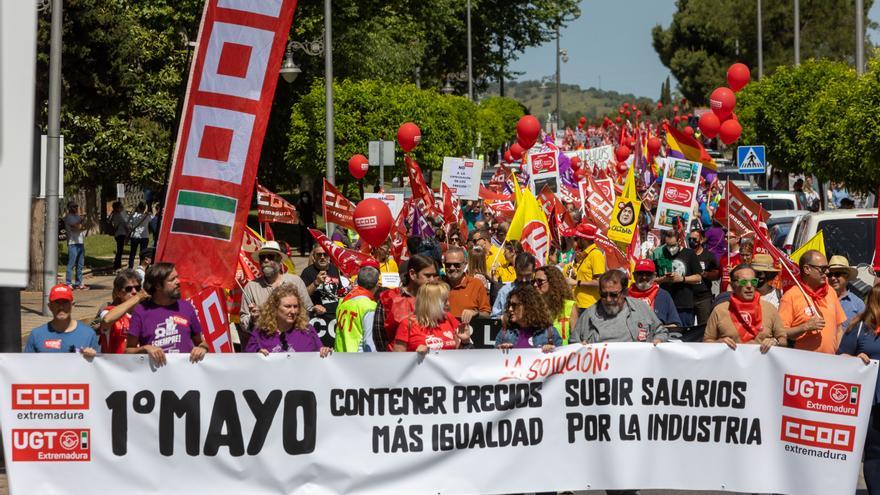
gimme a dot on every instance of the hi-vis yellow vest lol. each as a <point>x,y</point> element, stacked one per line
<point>350,323</point>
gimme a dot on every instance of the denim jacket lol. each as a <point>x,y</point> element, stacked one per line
<point>539,338</point>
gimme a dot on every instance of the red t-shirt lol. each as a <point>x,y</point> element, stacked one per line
<point>397,306</point>
<point>441,337</point>
<point>114,341</point>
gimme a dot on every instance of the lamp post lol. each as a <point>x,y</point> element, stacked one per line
<point>760,44</point>
<point>860,37</point>
<point>289,70</point>
<point>470,69</point>
<point>451,77</point>
<point>797,33</point>
<point>53,156</point>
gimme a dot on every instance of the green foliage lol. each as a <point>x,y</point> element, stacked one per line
<point>707,36</point>
<point>372,110</point>
<point>818,119</point>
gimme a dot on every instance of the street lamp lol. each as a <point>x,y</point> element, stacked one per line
<point>289,70</point>
<point>450,78</point>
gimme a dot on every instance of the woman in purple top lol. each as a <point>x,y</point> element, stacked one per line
<point>283,326</point>
<point>527,323</point>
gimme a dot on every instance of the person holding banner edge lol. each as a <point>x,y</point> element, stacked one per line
<point>165,323</point>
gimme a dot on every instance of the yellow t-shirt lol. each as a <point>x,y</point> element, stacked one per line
<point>589,269</point>
<point>389,266</point>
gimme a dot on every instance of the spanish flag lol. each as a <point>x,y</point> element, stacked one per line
<point>680,145</point>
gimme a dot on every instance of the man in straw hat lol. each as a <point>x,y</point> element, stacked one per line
<point>810,311</point>
<point>839,274</point>
<point>270,258</point>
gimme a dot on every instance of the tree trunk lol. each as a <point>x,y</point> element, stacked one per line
<point>38,229</point>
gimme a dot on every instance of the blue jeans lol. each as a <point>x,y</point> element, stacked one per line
<point>76,256</point>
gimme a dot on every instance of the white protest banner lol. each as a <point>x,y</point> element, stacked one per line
<point>462,176</point>
<point>598,157</point>
<point>678,194</point>
<point>618,416</point>
<point>394,201</point>
<point>543,171</point>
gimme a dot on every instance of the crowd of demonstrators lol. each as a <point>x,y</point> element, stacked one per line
<point>283,325</point>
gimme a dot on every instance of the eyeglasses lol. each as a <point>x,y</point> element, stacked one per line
<point>321,255</point>
<point>539,282</point>
<point>511,306</point>
<point>612,295</point>
<point>453,265</point>
<point>746,281</point>
<point>131,288</point>
<point>269,257</point>
<point>823,269</point>
<point>838,274</point>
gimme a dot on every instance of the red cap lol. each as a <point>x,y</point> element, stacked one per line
<point>371,262</point>
<point>586,231</point>
<point>61,292</point>
<point>645,266</point>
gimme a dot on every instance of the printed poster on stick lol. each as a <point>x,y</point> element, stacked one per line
<point>462,177</point>
<point>597,157</point>
<point>678,194</point>
<point>544,170</point>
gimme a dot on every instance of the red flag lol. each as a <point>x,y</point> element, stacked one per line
<point>337,208</point>
<point>348,261</point>
<point>789,271</point>
<point>267,232</point>
<point>491,195</point>
<point>614,257</point>
<point>420,190</point>
<point>210,305</point>
<point>741,209</point>
<point>222,124</point>
<point>452,214</point>
<point>398,234</point>
<point>273,208</point>
<point>598,205</point>
<point>250,244</point>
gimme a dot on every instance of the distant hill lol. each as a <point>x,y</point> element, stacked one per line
<point>591,103</point>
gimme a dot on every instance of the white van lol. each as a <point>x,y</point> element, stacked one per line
<point>775,200</point>
<point>848,233</point>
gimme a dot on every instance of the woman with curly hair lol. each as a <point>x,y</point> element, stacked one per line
<point>550,282</point>
<point>431,326</point>
<point>523,329</point>
<point>283,326</point>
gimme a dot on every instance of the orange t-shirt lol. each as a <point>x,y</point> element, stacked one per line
<point>794,311</point>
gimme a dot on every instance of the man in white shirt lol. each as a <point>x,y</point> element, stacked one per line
<point>76,249</point>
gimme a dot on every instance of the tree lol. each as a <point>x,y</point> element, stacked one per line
<point>817,119</point>
<point>706,37</point>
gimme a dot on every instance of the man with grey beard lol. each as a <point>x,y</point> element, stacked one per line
<point>270,258</point>
<point>618,317</point>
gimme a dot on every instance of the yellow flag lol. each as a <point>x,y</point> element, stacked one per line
<point>517,192</point>
<point>625,218</point>
<point>817,243</point>
<point>530,227</point>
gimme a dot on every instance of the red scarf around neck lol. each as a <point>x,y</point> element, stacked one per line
<point>746,316</point>
<point>818,295</point>
<point>359,291</point>
<point>649,296</point>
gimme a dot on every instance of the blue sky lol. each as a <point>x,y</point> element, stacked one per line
<point>627,64</point>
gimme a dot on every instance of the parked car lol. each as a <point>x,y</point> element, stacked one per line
<point>846,232</point>
<point>775,200</point>
<point>779,225</point>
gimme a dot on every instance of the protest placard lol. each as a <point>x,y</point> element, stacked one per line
<point>462,176</point>
<point>678,194</point>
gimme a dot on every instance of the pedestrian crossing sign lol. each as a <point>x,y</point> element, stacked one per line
<point>751,159</point>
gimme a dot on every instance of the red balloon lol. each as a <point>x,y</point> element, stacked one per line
<point>638,113</point>
<point>730,131</point>
<point>709,124</point>
<point>654,145</point>
<point>508,157</point>
<point>627,113</point>
<point>620,110</point>
<point>659,105</point>
<point>738,76</point>
<point>722,101</point>
<point>372,220</point>
<point>622,168</point>
<point>689,130</point>
<point>358,166</point>
<point>617,120</point>
<point>409,136</point>
<point>731,116</point>
<point>516,151</point>
<point>675,108</point>
<point>622,152</point>
<point>625,106</point>
<point>527,131</point>
<point>676,120</point>
<point>580,126</point>
<point>583,120</point>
